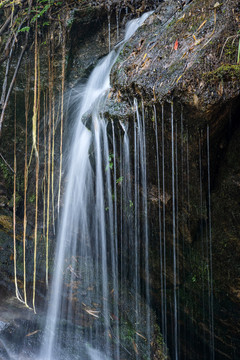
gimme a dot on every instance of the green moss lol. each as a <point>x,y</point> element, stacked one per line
<point>231,50</point>
<point>127,333</point>
<point>171,23</point>
<point>224,73</point>
<point>32,198</point>
<point>7,174</point>
<point>176,67</point>
<point>6,222</point>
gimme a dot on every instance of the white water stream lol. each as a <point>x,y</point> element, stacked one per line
<point>85,224</point>
<point>105,239</point>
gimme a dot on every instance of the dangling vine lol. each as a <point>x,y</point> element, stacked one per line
<point>25,182</point>
<point>29,26</point>
<point>18,295</point>
<point>62,104</point>
<point>35,131</point>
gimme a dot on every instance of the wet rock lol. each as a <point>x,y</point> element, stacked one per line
<point>183,55</point>
<point>186,58</point>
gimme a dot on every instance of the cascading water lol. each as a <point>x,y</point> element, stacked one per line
<point>85,276</point>
<point>118,244</point>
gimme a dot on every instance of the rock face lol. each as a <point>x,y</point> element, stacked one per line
<point>182,66</point>
<point>185,62</point>
<point>185,55</point>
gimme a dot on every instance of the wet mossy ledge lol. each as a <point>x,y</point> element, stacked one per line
<point>224,73</point>
<point>184,55</point>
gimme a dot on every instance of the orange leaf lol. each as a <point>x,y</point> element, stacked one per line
<point>176,45</point>
<point>135,347</point>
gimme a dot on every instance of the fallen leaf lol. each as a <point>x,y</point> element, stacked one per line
<point>92,312</point>
<point>90,288</point>
<point>141,335</point>
<point>32,333</point>
<point>176,45</point>
<point>202,24</point>
<point>181,18</point>
<point>197,42</point>
<point>184,55</point>
<point>114,317</point>
<point>179,78</point>
<point>135,347</point>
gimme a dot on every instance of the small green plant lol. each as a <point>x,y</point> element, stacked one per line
<point>194,278</point>
<point>238,58</point>
<point>24,29</point>
<point>110,162</point>
<point>32,198</point>
<point>119,180</point>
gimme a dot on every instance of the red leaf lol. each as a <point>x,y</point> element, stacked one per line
<point>176,45</point>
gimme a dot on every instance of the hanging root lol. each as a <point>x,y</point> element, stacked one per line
<point>53,149</point>
<point>49,161</point>
<point>18,295</point>
<point>36,122</point>
<point>45,167</point>
<point>6,94</point>
<point>62,104</point>
<point>25,185</point>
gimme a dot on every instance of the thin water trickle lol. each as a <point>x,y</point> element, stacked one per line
<point>174,239</point>
<point>117,22</point>
<point>202,238</point>
<point>127,229</point>
<point>164,328</point>
<point>137,230</point>
<point>115,234</point>
<point>177,234</point>
<point>159,217</point>
<point>143,172</point>
<point>109,30</point>
<point>211,314</point>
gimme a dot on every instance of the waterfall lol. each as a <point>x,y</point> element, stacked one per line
<point>84,278</point>
<point>133,274</point>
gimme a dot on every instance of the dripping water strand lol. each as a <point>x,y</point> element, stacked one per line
<point>174,239</point>
<point>164,320</point>
<point>136,223</point>
<point>116,293</point>
<point>210,250</point>
<point>142,145</point>
<point>202,238</point>
<point>109,30</point>
<point>159,218</point>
